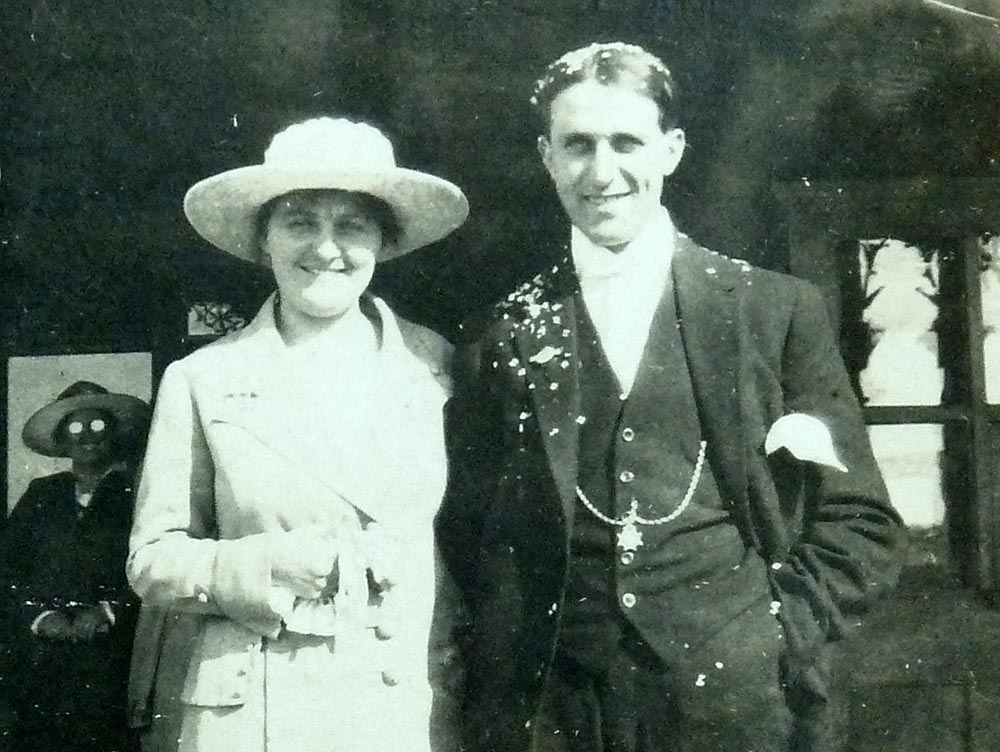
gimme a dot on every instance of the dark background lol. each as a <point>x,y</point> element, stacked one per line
<point>110,111</point>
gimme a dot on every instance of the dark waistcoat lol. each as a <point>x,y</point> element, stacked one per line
<point>692,573</point>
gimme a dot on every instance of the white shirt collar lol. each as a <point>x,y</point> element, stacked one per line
<point>649,252</point>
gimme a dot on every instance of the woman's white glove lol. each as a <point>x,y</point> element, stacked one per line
<point>304,561</point>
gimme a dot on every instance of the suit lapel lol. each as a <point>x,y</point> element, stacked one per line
<point>708,289</point>
<point>546,343</point>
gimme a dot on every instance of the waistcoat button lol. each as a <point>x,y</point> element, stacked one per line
<point>626,476</point>
<point>628,434</point>
<point>628,600</point>
<point>627,557</point>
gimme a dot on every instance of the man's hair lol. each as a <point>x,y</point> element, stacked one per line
<point>608,63</point>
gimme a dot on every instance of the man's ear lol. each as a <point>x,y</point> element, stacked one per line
<point>387,250</point>
<point>673,145</point>
<point>544,147</point>
<point>262,253</point>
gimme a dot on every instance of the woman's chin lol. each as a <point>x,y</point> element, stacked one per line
<point>327,306</point>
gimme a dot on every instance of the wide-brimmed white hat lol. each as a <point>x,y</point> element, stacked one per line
<point>324,153</point>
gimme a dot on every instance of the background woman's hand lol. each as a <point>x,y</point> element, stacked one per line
<point>55,626</point>
<point>304,561</point>
<point>90,622</point>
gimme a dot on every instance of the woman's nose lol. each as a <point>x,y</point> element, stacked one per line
<point>328,248</point>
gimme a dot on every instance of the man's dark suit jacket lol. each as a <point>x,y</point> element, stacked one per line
<point>759,347</point>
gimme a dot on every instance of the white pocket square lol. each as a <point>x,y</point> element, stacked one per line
<point>806,437</point>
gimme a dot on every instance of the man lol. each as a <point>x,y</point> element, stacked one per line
<point>664,503</point>
<point>66,613</point>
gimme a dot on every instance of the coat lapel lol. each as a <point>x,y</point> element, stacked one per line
<point>708,289</point>
<point>545,338</point>
<point>255,394</point>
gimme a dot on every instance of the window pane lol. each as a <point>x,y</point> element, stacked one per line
<point>989,285</point>
<point>910,459</point>
<point>896,314</point>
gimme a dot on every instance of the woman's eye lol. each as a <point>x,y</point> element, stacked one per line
<point>353,226</point>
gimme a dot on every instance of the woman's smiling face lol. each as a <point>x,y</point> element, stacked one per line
<point>321,246</point>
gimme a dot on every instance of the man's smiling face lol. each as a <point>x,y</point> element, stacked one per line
<point>608,157</point>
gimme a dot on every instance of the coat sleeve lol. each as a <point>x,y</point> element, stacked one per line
<point>176,558</point>
<point>19,557</point>
<point>852,542</point>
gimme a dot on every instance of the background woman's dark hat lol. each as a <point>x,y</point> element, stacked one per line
<point>131,415</point>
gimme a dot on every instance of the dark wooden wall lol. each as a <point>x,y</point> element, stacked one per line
<point>110,111</point>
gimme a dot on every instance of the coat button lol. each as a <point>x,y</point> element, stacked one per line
<point>628,434</point>
<point>626,476</point>
<point>627,557</point>
<point>628,600</point>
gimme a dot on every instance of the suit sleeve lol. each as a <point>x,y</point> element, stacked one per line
<point>474,433</point>
<point>852,542</point>
<point>175,557</point>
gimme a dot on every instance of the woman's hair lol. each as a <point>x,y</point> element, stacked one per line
<point>378,209</point>
<point>608,63</point>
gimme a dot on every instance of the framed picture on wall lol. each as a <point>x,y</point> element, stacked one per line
<point>34,381</point>
<point>208,320</point>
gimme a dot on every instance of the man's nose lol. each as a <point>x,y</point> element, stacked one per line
<point>603,164</point>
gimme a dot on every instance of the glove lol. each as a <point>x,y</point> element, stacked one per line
<point>89,623</point>
<point>55,626</point>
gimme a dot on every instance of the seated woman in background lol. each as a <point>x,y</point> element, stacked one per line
<point>294,468</point>
<point>67,614</point>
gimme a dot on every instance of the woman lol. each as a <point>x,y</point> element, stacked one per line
<point>66,612</point>
<point>294,468</point>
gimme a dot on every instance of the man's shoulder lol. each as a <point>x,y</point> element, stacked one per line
<point>758,281</point>
<point>534,300</point>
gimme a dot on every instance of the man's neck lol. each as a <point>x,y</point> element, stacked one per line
<point>652,244</point>
<point>658,222</point>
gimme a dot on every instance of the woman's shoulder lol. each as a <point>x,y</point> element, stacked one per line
<point>225,349</point>
<point>427,345</point>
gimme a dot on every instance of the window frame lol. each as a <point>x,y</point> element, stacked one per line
<point>823,217</point>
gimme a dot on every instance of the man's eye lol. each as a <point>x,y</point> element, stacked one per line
<point>626,144</point>
<point>75,428</point>
<point>97,425</point>
<point>577,145</point>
